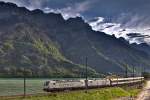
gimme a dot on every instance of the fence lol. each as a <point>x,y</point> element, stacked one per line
<point>15,86</point>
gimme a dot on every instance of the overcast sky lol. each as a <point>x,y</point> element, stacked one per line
<point>118,17</point>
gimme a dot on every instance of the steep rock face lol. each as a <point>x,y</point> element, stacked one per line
<point>143,47</point>
<point>25,46</point>
<point>48,45</point>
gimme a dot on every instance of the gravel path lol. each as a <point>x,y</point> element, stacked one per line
<point>145,94</point>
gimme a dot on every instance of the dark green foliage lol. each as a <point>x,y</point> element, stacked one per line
<point>146,75</point>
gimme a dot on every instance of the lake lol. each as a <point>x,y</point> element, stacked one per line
<point>15,86</point>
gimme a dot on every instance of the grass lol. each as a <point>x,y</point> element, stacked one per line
<point>134,92</point>
<point>9,87</point>
<point>94,94</point>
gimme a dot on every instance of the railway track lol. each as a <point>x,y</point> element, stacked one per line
<point>62,85</point>
<point>145,94</point>
<point>63,91</point>
<point>119,82</point>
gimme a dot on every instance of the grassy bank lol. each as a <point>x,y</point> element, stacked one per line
<point>94,94</point>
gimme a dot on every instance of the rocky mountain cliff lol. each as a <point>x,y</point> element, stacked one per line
<point>46,45</point>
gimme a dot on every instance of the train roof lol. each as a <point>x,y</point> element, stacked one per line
<point>130,78</point>
<point>58,81</point>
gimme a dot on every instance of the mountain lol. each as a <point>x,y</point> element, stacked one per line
<point>143,47</point>
<point>46,45</point>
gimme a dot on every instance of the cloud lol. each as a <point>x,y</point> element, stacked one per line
<point>138,35</point>
<point>72,10</point>
<point>131,30</point>
<point>30,4</point>
<point>110,28</point>
<point>19,3</point>
<point>66,12</point>
<point>118,17</point>
<point>67,9</point>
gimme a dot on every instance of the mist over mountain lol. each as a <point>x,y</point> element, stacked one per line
<point>131,34</point>
<point>46,44</point>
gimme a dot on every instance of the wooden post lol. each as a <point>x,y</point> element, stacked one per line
<point>126,71</point>
<point>133,71</point>
<point>86,80</point>
<point>24,84</point>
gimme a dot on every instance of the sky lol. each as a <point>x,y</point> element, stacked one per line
<point>119,17</point>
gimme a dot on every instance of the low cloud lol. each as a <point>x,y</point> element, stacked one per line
<point>30,4</point>
<point>131,30</point>
<point>68,10</point>
<point>72,10</point>
<point>119,17</point>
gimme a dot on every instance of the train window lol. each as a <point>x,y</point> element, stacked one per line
<point>47,83</point>
<point>54,83</point>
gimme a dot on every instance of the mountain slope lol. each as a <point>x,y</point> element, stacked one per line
<point>48,45</point>
<point>26,46</point>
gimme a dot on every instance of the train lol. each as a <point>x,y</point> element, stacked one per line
<point>62,85</point>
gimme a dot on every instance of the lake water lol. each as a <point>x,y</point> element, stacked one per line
<point>15,86</point>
